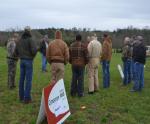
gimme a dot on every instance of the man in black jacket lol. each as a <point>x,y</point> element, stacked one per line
<point>26,50</point>
<point>139,58</point>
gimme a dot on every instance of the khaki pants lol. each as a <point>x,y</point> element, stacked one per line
<point>93,82</point>
<point>57,71</point>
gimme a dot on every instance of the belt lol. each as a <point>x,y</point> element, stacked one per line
<point>57,61</point>
<point>26,59</point>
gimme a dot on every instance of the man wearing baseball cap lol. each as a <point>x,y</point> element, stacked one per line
<point>26,49</point>
<point>139,58</point>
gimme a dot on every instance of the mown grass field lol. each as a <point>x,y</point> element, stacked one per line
<point>115,105</point>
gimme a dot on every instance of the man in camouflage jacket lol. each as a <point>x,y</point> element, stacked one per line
<point>126,58</point>
<point>12,60</point>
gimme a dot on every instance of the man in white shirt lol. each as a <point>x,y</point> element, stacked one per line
<point>94,51</point>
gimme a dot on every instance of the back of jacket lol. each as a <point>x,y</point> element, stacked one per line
<point>126,52</point>
<point>78,54</point>
<point>26,48</point>
<point>94,49</point>
<point>139,53</point>
<point>11,48</point>
<point>57,52</point>
<point>107,50</point>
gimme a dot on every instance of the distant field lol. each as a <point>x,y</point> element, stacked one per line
<point>115,105</point>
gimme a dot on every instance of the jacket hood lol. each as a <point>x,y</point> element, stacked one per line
<point>58,35</point>
<point>26,34</point>
<point>108,38</point>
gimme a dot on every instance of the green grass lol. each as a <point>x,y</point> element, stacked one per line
<point>115,105</point>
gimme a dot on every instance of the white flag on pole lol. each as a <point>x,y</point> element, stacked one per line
<point>120,71</point>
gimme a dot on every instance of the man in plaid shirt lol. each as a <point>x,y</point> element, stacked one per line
<point>78,60</point>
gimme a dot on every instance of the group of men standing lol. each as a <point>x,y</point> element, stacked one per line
<point>134,58</point>
<point>81,55</point>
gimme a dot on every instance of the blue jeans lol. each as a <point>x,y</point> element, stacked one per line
<point>132,69</point>
<point>77,84</point>
<point>44,62</point>
<point>106,74</point>
<point>139,76</point>
<point>127,71</point>
<point>26,70</point>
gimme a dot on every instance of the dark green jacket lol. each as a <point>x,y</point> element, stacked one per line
<point>26,48</point>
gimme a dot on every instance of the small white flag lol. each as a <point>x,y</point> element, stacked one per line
<point>120,71</point>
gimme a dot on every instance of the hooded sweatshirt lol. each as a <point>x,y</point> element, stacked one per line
<point>57,51</point>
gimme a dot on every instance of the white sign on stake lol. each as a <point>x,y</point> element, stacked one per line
<point>54,104</point>
<point>120,71</point>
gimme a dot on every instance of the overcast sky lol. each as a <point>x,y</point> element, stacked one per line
<point>98,14</point>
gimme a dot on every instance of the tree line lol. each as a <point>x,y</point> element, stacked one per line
<point>69,34</point>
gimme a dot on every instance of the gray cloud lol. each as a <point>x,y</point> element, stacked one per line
<point>99,14</point>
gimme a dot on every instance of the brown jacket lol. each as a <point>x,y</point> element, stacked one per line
<point>107,49</point>
<point>57,51</point>
<point>78,54</point>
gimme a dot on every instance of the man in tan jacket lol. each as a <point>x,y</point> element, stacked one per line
<point>94,51</point>
<point>106,57</point>
<point>57,55</point>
